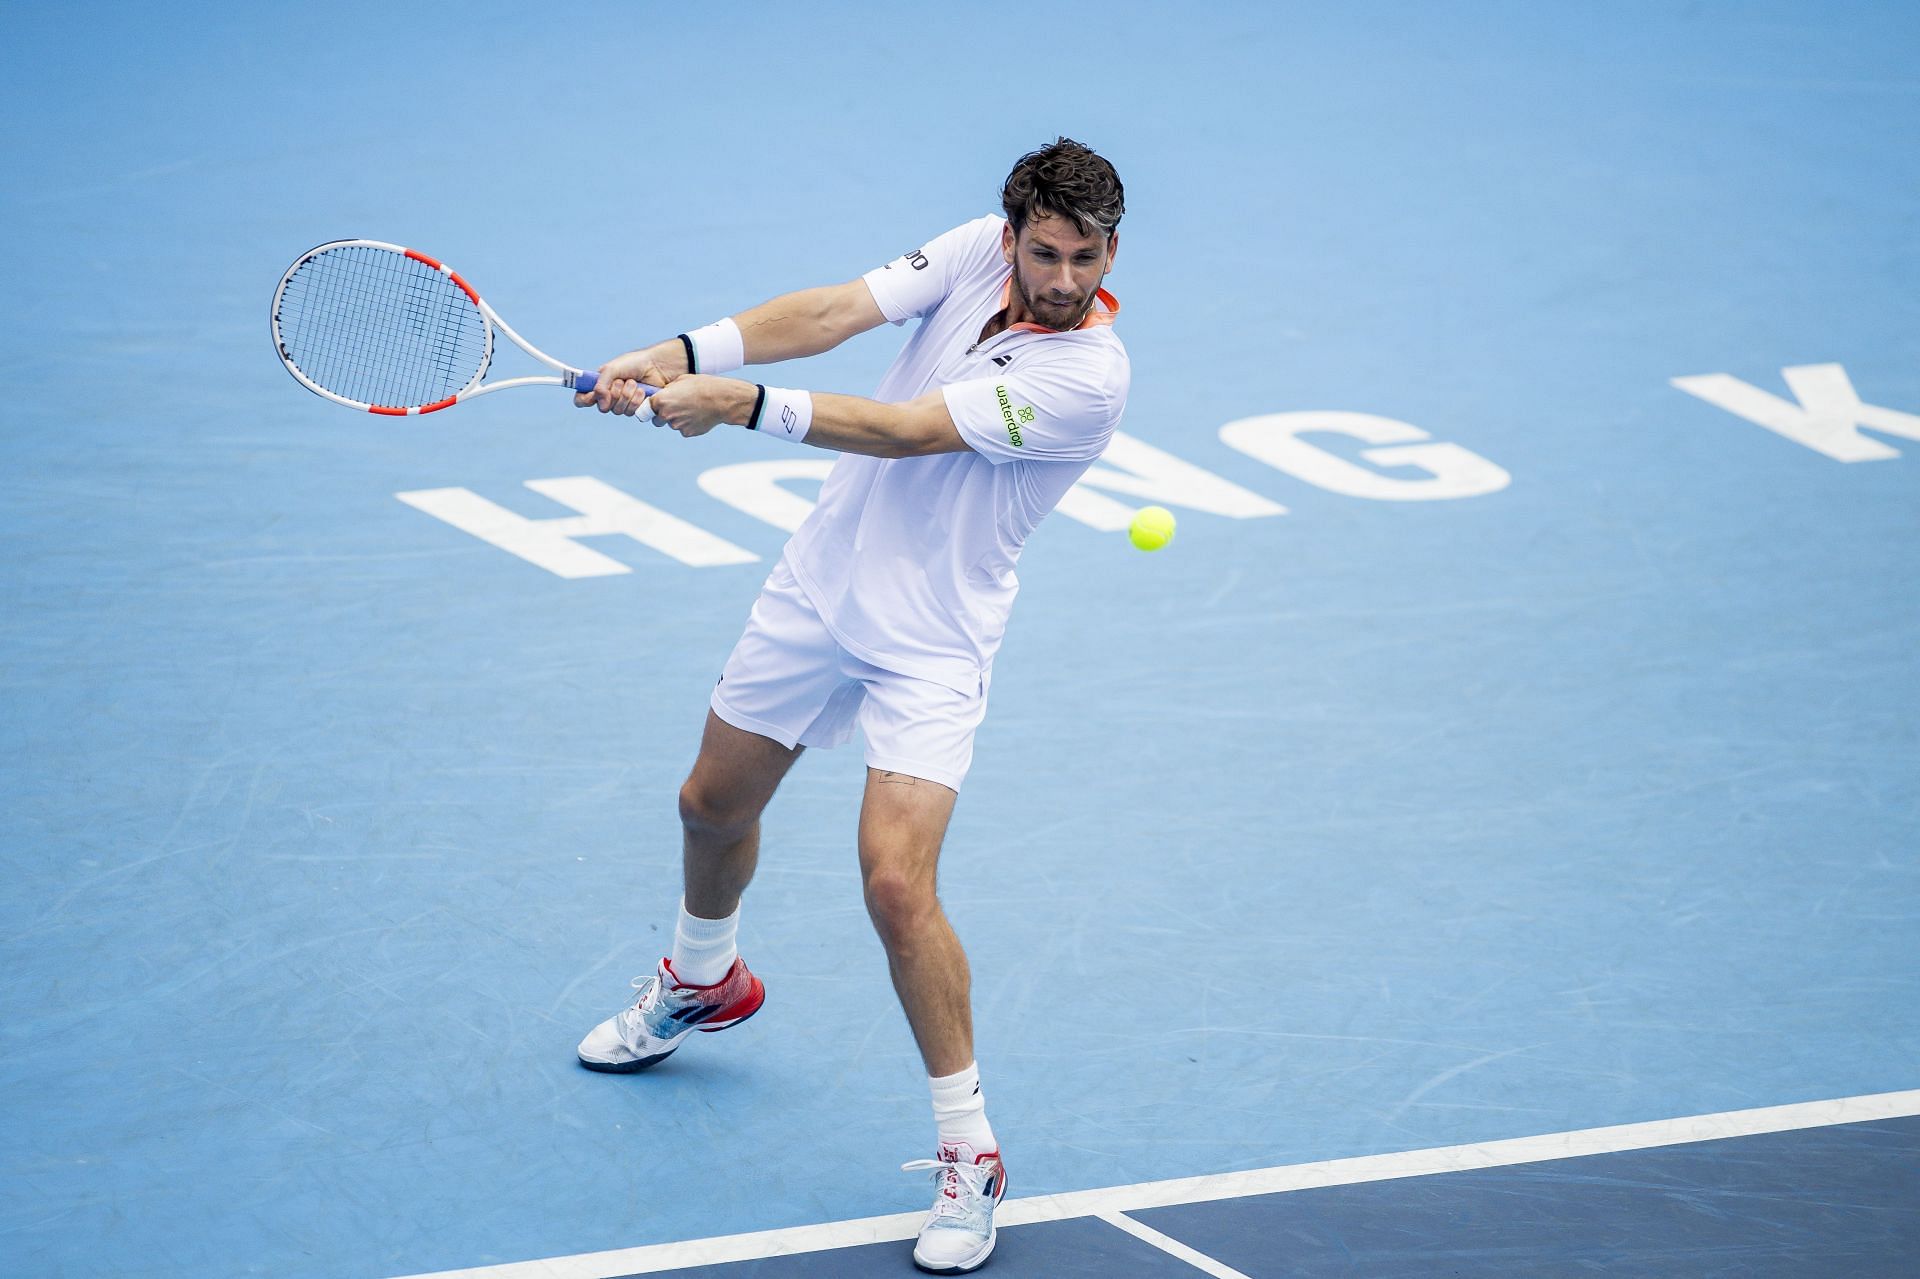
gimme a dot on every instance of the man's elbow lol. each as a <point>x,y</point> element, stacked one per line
<point>924,433</point>
<point>907,441</point>
<point>845,311</point>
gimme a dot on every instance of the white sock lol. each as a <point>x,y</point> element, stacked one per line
<point>961,1110</point>
<point>703,949</point>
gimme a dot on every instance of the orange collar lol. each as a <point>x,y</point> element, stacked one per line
<point>1095,318</point>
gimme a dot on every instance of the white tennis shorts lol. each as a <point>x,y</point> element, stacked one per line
<point>789,679</point>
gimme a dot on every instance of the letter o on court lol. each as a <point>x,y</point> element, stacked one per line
<point>1452,471</point>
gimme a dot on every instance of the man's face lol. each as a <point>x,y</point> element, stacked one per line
<point>1057,267</point>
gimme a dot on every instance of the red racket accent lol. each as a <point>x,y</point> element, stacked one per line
<point>437,405</point>
<point>384,411</point>
<point>452,275</point>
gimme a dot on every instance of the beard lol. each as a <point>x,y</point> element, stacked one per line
<point>1054,315</point>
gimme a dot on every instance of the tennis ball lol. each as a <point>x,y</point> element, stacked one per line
<point>1152,528</point>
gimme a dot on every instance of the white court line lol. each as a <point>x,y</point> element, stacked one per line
<point>654,1258</point>
<point>1171,1246</point>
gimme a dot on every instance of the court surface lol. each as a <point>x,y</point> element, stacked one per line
<point>1484,842</point>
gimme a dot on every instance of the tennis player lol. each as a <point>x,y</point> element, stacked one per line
<point>888,605</point>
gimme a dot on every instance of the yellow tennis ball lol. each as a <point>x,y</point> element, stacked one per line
<point>1152,528</point>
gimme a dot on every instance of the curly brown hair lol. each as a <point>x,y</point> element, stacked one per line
<point>1065,179</point>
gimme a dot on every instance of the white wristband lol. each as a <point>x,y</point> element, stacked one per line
<point>718,348</point>
<point>782,414</point>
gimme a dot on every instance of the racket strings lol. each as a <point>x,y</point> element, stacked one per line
<point>379,327</point>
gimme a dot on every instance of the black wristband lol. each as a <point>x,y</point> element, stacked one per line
<point>759,403</point>
<point>693,364</point>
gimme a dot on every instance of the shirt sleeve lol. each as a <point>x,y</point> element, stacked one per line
<point>919,280</point>
<point>1063,411</point>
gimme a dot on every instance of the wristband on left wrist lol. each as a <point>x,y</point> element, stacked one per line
<point>717,348</point>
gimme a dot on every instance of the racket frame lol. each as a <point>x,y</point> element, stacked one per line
<point>567,375</point>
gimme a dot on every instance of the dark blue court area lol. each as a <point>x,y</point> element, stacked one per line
<point>1827,1201</point>
<point>1520,736</point>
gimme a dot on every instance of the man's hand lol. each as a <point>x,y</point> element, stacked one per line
<point>697,403</point>
<point>618,389</point>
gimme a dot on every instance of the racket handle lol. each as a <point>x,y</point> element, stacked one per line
<point>585,381</point>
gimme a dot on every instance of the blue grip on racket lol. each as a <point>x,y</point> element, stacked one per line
<point>584,382</point>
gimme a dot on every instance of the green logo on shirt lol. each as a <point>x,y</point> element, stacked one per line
<point>1013,417</point>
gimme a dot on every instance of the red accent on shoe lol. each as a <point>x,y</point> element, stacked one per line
<point>747,998</point>
<point>666,962</point>
<point>742,1008</point>
<point>999,1173</point>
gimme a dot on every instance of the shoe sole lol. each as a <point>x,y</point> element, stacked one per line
<point>644,1063</point>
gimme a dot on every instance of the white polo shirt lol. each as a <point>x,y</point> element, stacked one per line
<point>910,561</point>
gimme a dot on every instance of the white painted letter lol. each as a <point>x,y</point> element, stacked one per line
<point>1827,419</point>
<point>1159,478</point>
<point>754,487</point>
<point>604,510</point>
<point>1451,470</point>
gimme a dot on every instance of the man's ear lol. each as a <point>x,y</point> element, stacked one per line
<point>1113,249</point>
<point>1006,243</point>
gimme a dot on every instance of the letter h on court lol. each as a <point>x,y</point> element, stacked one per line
<point>603,511</point>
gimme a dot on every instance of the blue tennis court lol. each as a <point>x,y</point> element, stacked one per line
<point>1483,842</point>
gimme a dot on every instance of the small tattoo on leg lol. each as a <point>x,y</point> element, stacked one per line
<point>898,779</point>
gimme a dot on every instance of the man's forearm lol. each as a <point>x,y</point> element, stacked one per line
<point>786,328</point>
<point>795,325</point>
<point>852,424</point>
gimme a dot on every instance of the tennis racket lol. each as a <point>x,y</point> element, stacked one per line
<point>384,329</point>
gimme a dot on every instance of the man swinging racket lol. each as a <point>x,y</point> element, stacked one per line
<point>888,604</point>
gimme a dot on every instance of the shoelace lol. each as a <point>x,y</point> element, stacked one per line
<point>959,1185</point>
<point>648,987</point>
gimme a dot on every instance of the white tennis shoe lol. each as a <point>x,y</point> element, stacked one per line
<point>646,1032</point>
<point>958,1234</point>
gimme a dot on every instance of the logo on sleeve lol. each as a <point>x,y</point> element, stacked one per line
<point>1015,416</point>
<point>916,258</point>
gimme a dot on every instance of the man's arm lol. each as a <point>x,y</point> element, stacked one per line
<point>809,322</point>
<point>788,327</point>
<point>696,404</point>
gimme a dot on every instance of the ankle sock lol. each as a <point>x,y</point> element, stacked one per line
<point>704,949</point>
<point>960,1110</point>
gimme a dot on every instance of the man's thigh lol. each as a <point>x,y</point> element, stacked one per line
<point>903,821</point>
<point>736,772</point>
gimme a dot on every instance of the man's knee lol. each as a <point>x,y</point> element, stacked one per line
<point>716,811</point>
<point>900,905</point>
